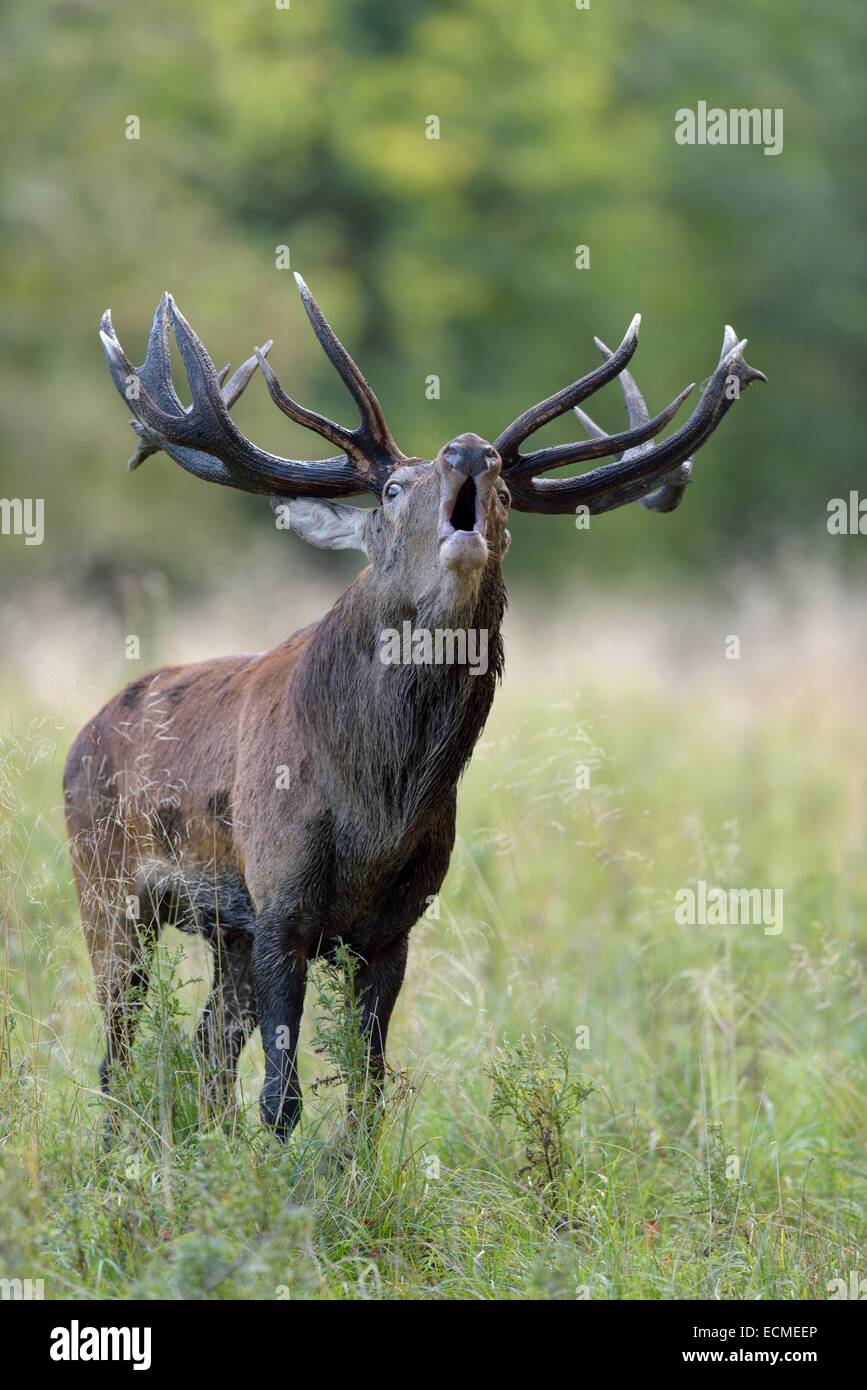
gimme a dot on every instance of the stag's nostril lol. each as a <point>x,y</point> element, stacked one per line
<point>469,455</point>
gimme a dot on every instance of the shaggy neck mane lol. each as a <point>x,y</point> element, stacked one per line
<point>396,738</point>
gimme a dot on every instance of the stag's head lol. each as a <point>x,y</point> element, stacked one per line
<point>440,525</point>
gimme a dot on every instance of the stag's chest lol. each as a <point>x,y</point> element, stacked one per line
<point>367,891</point>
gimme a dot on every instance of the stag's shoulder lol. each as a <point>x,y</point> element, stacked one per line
<point>276,667</point>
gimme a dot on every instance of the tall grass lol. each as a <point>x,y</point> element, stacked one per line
<point>702,1083</point>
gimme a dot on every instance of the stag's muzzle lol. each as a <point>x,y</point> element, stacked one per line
<point>468,469</point>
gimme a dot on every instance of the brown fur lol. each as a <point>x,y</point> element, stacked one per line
<point>172,799</point>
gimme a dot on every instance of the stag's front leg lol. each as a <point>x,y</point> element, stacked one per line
<point>280,978</point>
<point>378,981</point>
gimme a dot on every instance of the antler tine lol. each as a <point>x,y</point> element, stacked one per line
<point>149,389</point>
<point>670,495</point>
<point>155,372</point>
<point>640,471</point>
<point>599,446</point>
<point>518,466</point>
<point>372,440</point>
<point>507,443</point>
<point>154,375</point>
<point>203,439</point>
<point>636,406</point>
<point>193,461</point>
<point>239,379</point>
<point>311,419</point>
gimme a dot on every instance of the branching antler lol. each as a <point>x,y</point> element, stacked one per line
<point>670,495</point>
<point>204,440</point>
<point>656,475</point>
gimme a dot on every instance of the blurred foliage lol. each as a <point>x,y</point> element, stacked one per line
<point>305,127</point>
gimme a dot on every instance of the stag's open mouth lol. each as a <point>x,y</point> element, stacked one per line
<point>462,526</point>
<point>467,512</point>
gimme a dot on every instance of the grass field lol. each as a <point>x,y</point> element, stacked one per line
<point>720,1151</point>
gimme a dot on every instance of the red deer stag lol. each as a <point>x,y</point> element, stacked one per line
<point>286,802</point>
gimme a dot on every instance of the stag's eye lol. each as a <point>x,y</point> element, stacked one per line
<point>392,490</point>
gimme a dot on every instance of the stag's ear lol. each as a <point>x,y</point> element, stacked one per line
<point>329,525</point>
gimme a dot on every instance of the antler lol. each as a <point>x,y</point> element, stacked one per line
<point>204,440</point>
<point>656,475</point>
<point>670,495</point>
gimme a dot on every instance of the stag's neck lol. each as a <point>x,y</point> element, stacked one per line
<point>393,728</point>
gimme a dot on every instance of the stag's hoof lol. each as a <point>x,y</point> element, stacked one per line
<point>280,1115</point>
